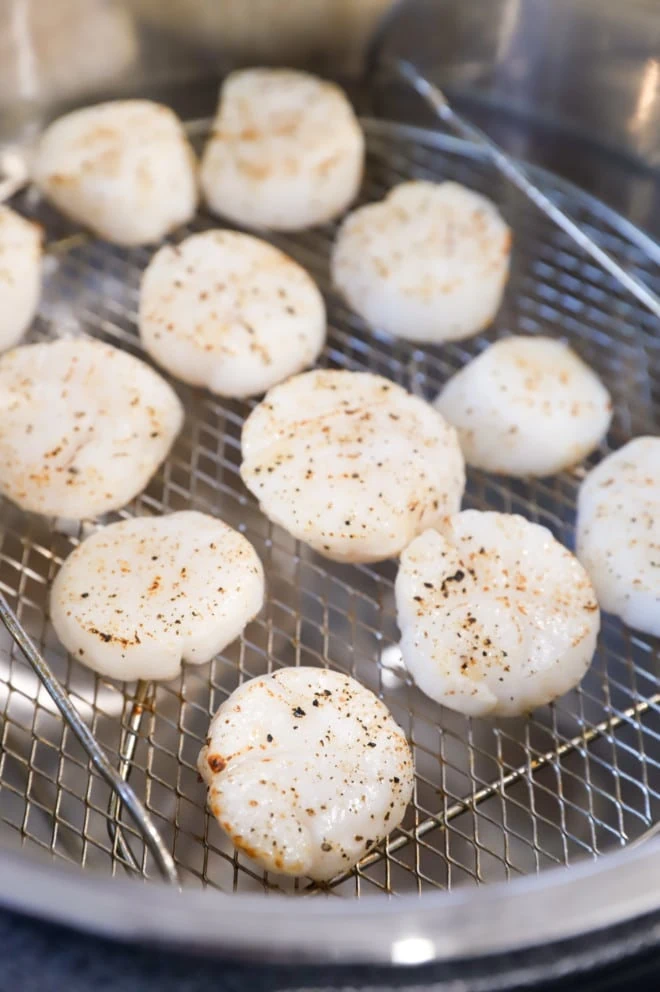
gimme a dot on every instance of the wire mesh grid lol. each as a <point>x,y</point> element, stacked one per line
<point>492,800</point>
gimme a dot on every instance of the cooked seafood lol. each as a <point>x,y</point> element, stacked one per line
<point>307,771</point>
<point>496,616</point>
<point>286,151</point>
<point>427,263</point>
<point>618,533</point>
<point>526,406</point>
<point>230,312</point>
<point>140,597</point>
<point>351,463</point>
<point>83,427</point>
<point>124,169</point>
<point>20,275</point>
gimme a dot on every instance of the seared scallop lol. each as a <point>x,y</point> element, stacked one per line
<point>307,771</point>
<point>286,151</point>
<point>496,616</point>
<point>20,275</point>
<point>124,169</point>
<point>526,406</point>
<point>83,427</point>
<point>351,463</point>
<point>427,263</point>
<point>618,533</point>
<point>230,312</point>
<point>140,597</point>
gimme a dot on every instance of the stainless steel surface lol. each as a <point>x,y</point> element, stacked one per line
<point>592,66</point>
<point>516,174</point>
<point>330,33</point>
<point>493,800</point>
<point>61,51</point>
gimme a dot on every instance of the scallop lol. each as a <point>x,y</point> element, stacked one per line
<point>83,427</point>
<point>618,533</point>
<point>427,263</point>
<point>286,151</point>
<point>351,463</point>
<point>140,597</point>
<point>496,616</point>
<point>526,406</point>
<point>230,312</point>
<point>307,771</point>
<point>124,169</point>
<point>20,275</point>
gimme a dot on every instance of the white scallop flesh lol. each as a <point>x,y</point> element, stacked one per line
<point>230,312</point>
<point>526,406</point>
<point>286,151</point>
<point>427,263</point>
<point>20,275</point>
<point>124,169</point>
<point>83,427</point>
<point>496,616</point>
<point>351,463</point>
<point>618,533</point>
<point>140,597</point>
<point>307,771</point>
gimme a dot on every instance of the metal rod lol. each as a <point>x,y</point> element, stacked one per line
<point>499,786</point>
<point>436,99</point>
<point>97,756</point>
<point>144,692</point>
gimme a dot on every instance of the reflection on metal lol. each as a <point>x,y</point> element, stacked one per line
<point>649,96</point>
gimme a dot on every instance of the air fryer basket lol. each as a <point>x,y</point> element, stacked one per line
<point>494,801</point>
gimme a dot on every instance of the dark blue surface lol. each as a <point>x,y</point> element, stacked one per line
<point>39,957</point>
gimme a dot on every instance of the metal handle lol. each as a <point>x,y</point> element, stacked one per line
<point>97,756</point>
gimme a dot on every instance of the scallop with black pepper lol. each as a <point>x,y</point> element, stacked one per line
<point>307,771</point>
<point>618,532</point>
<point>83,427</point>
<point>20,274</point>
<point>286,150</point>
<point>230,312</point>
<point>351,463</point>
<point>427,263</point>
<point>496,616</point>
<point>124,168</point>
<point>526,406</point>
<point>139,597</point>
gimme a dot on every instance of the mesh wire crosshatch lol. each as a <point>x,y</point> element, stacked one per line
<point>492,799</point>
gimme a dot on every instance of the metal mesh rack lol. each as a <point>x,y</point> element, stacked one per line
<point>492,799</point>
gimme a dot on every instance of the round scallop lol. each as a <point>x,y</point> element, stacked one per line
<point>286,151</point>
<point>83,427</point>
<point>428,263</point>
<point>140,597</point>
<point>351,463</point>
<point>20,275</point>
<point>230,312</point>
<point>526,406</point>
<point>496,616</point>
<point>307,771</point>
<point>618,533</point>
<point>124,169</point>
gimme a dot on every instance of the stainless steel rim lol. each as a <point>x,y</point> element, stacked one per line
<point>499,919</point>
